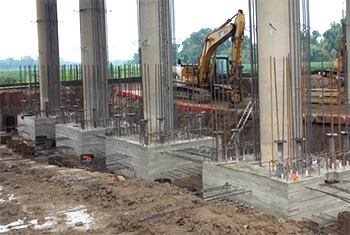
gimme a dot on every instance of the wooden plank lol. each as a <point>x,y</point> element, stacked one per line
<point>326,100</point>
<point>326,94</point>
<point>327,89</point>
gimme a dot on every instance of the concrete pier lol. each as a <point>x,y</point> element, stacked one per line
<point>94,60</point>
<point>37,126</point>
<point>276,32</point>
<point>347,66</point>
<point>155,37</point>
<point>87,141</point>
<point>49,62</point>
<point>129,157</point>
<point>281,198</point>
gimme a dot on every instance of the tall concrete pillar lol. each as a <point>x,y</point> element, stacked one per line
<point>155,36</point>
<point>347,67</point>
<point>49,62</point>
<point>94,59</point>
<point>276,39</point>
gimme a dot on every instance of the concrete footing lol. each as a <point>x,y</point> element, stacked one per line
<point>37,126</point>
<point>289,200</point>
<point>171,160</point>
<point>87,141</point>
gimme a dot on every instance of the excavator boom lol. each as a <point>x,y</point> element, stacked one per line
<point>203,74</point>
<point>216,38</point>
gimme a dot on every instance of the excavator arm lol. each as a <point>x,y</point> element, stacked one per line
<point>215,39</point>
<point>237,45</point>
<point>198,80</point>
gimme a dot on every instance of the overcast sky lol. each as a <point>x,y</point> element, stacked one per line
<point>19,30</point>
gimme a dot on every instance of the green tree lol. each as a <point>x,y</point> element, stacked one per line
<point>175,49</point>
<point>192,46</point>
<point>315,48</point>
<point>315,35</point>
<point>331,40</point>
<point>27,60</point>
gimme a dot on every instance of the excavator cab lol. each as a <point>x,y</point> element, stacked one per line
<point>222,70</point>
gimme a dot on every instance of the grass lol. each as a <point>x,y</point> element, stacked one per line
<point>315,66</point>
<point>67,73</point>
<point>123,71</point>
<point>9,76</point>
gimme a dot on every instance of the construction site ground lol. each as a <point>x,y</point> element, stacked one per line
<point>37,198</point>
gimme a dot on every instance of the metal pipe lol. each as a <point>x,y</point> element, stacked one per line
<point>47,109</point>
<point>36,109</point>
<point>200,116</point>
<point>75,108</point>
<point>161,130</point>
<point>299,144</point>
<point>236,143</point>
<point>280,157</point>
<point>332,147</point>
<point>63,115</point>
<point>144,131</point>
<point>271,110</point>
<point>219,146</point>
<point>117,124</point>
<point>24,106</point>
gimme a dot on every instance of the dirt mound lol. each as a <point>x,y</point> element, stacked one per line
<point>37,198</point>
<point>318,81</point>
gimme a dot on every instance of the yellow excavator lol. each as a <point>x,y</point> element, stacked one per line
<point>339,63</point>
<point>200,82</point>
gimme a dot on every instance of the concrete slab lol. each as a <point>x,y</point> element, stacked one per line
<point>87,141</point>
<point>289,200</point>
<point>37,126</point>
<point>128,157</point>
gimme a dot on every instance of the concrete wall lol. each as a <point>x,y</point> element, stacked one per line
<point>35,126</point>
<point>82,141</point>
<point>289,200</point>
<point>150,162</point>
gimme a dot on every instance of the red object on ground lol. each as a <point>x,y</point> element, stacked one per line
<point>226,163</point>
<point>178,106</point>
<point>294,177</point>
<point>127,94</point>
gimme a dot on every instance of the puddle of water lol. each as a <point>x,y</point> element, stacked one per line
<point>45,225</point>
<point>19,224</point>
<point>73,216</point>
<point>79,214</point>
<point>11,197</point>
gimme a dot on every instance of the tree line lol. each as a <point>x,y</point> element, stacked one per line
<point>12,64</point>
<point>321,46</point>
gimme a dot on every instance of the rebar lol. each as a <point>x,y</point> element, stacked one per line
<point>24,106</point>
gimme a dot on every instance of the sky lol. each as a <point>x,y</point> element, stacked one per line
<point>19,29</point>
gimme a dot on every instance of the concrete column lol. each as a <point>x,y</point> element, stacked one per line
<point>155,37</point>
<point>94,59</point>
<point>49,62</point>
<point>274,40</point>
<point>347,67</point>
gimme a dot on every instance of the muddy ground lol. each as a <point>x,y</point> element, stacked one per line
<point>36,198</point>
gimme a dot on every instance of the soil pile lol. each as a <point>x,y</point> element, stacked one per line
<point>37,198</point>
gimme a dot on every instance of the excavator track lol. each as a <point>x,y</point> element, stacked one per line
<point>194,94</point>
